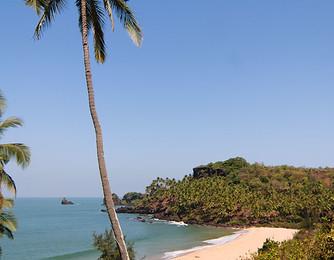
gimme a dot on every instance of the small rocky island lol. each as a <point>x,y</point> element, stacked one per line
<point>65,201</point>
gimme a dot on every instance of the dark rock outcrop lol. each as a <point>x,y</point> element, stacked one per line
<point>65,201</point>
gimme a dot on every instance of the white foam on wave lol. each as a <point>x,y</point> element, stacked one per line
<point>181,223</point>
<point>159,220</point>
<point>210,243</point>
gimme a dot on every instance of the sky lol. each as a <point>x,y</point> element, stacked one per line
<point>212,80</point>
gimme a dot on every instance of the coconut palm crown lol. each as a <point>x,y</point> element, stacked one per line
<point>96,13</point>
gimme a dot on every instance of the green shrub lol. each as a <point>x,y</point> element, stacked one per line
<point>268,245</point>
<point>106,244</point>
<point>318,245</point>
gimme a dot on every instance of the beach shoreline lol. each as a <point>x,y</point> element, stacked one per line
<point>243,244</point>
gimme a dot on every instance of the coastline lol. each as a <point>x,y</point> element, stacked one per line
<point>241,244</point>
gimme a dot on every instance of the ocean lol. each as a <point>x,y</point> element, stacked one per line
<point>49,230</point>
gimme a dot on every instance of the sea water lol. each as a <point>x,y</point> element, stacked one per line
<point>49,230</point>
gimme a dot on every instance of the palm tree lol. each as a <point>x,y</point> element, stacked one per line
<point>17,151</point>
<point>91,19</point>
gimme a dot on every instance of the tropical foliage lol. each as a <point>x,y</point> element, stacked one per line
<point>10,151</point>
<point>96,12</point>
<point>21,155</point>
<point>7,219</point>
<point>106,244</point>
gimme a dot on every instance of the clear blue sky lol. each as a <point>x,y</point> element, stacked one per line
<point>212,80</point>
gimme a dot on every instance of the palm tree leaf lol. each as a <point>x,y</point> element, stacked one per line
<point>36,4</point>
<point>7,220</point>
<point>6,231</point>
<point>108,8</point>
<point>6,203</point>
<point>97,18</point>
<point>18,151</point>
<point>50,9</point>
<point>128,20</point>
<point>95,22</point>
<point>7,180</point>
<point>10,122</point>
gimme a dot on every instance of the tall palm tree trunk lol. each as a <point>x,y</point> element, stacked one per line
<point>99,142</point>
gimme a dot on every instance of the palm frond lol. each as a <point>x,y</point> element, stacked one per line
<point>8,220</point>
<point>108,8</point>
<point>8,181</point>
<point>97,18</point>
<point>37,5</point>
<point>50,9</point>
<point>6,203</point>
<point>7,232</point>
<point>95,22</point>
<point>128,20</point>
<point>18,151</point>
<point>10,122</point>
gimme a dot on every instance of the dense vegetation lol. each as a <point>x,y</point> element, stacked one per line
<point>235,192</point>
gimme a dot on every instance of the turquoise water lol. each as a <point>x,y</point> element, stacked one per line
<point>48,230</point>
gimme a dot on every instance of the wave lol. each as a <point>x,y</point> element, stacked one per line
<point>210,243</point>
<point>181,223</point>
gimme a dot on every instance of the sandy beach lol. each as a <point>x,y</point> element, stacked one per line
<point>242,246</point>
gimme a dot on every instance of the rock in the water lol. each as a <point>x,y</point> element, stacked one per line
<point>65,201</point>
